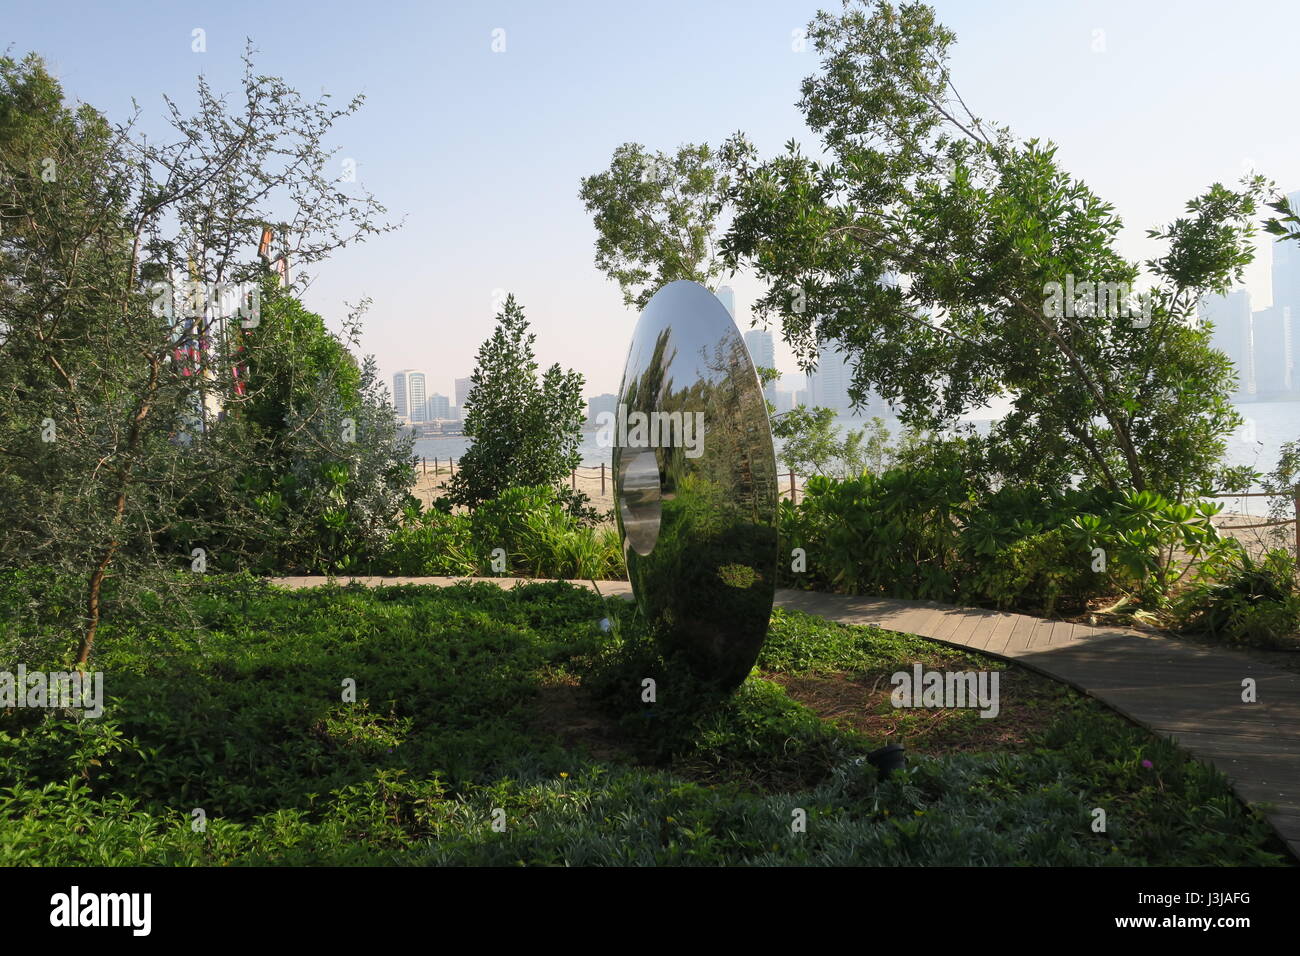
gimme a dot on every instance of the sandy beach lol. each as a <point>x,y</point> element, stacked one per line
<point>429,480</point>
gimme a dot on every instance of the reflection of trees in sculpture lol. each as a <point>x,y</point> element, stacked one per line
<point>738,427</point>
<point>708,583</point>
<point>709,580</point>
<point>645,393</point>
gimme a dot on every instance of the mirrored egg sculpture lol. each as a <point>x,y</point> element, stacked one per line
<point>695,485</point>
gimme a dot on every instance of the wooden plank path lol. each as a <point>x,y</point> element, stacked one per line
<point>1184,691</point>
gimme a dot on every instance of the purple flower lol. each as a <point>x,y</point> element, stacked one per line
<point>1148,764</point>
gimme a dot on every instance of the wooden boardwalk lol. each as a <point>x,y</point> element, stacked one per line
<point>1188,692</point>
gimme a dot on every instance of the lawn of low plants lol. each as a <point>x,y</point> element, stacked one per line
<point>510,727</point>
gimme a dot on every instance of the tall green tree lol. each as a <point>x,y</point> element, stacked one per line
<point>525,430</point>
<point>978,226</point>
<point>657,218</point>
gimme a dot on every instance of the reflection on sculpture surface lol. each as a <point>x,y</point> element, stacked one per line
<point>695,484</point>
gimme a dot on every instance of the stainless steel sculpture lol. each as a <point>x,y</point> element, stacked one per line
<point>695,485</point>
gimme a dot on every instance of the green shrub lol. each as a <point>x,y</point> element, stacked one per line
<point>1033,572</point>
<point>430,543</point>
<point>926,532</point>
<point>533,526</point>
<point>1250,602</point>
<point>892,533</point>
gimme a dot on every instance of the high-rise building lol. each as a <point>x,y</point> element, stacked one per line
<point>1286,268</point>
<point>1279,330</point>
<point>1274,346</point>
<point>462,392</point>
<point>439,407</point>
<point>727,296</point>
<point>401,396</point>
<point>601,403</point>
<point>415,391</point>
<point>831,380</point>
<point>829,383</point>
<point>782,401</point>
<point>1233,334</point>
<point>762,350</point>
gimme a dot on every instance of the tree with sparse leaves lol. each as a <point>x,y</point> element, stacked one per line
<point>128,321</point>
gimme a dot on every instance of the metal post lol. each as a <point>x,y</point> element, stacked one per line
<point>792,492</point>
<point>424,466</point>
<point>602,482</point>
<point>1297,522</point>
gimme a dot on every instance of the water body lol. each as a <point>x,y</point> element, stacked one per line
<point>1258,443</point>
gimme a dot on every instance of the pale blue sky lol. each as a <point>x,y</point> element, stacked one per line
<point>482,152</point>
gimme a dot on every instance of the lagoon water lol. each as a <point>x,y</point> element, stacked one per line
<point>1268,425</point>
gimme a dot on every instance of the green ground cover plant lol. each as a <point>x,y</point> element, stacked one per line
<point>475,705</point>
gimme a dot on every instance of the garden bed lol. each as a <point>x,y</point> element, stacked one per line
<point>509,727</point>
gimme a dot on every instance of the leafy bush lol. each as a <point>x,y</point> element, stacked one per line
<point>1033,572</point>
<point>892,533</point>
<point>430,543</point>
<point>926,532</point>
<point>539,535</point>
<point>1249,602</point>
<point>1142,533</point>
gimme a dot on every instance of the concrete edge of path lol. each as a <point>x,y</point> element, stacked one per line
<point>1187,693</point>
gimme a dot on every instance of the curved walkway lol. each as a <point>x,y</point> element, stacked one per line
<point>1190,693</point>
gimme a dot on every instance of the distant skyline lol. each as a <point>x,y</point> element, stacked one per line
<point>481,152</point>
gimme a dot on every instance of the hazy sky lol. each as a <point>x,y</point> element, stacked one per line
<point>482,152</point>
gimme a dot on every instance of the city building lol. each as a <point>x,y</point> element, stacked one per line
<point>401,398</point>
<point>439,408</point>
<point>762,351</point>
<point>596,404</point>
<point>828,386</point>
<point>1232,334</point>
<point>462,392</point>
<point>1286,269</point>
<point>416,397</point>
<point>830,382</point>
<point>1272,335</point>
<point>727,296</point>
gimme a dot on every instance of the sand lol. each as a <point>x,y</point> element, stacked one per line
<point>429,482</point>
